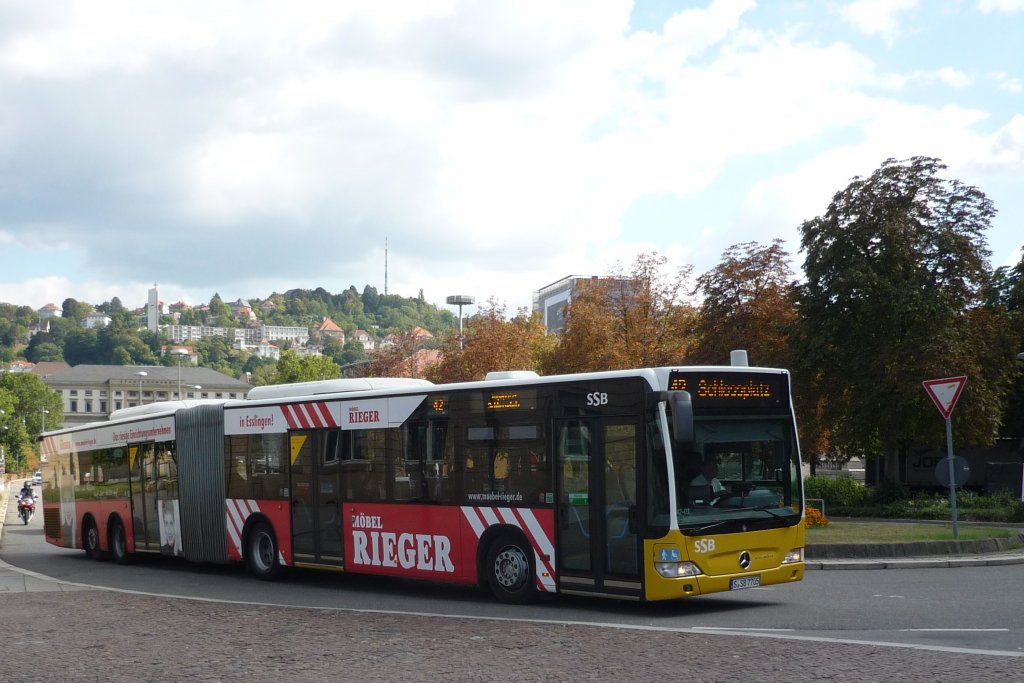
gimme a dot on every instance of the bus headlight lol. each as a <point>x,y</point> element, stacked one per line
<point>677,570</point>
<point>794,555</point>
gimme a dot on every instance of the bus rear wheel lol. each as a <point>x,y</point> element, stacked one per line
<point>119,543</point>
<point>262,553</point>
<point>509,571</point>
<point>91,541</point>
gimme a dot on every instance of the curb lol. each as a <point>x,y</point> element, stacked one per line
<point>994,560</point>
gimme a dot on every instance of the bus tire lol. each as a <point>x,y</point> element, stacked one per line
<point>509,571</point>
<point>91,541</point>
<point>262,553</point>
<point>119,543</point>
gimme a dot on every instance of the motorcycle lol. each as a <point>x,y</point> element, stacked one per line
<point>26,509</point>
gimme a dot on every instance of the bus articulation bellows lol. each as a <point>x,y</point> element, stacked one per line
<point>525,485</point>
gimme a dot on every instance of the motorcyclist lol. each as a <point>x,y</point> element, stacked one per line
<point>27,492</point>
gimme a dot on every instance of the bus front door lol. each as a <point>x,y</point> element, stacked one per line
<point>597,539</point>
<point>316,498</point>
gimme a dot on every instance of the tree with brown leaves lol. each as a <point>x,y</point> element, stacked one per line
<point>746,303</point>
<point>630,319</point>
<point>492,342</point>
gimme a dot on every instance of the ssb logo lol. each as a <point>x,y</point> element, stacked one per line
<point>597,398</point>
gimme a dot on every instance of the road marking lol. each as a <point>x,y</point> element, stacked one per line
<point>955,630</point>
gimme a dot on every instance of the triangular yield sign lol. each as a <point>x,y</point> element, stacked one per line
<point>945,392</point>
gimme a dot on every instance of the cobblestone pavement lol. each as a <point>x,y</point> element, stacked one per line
<point>86,635</point>
<point>59,633</point>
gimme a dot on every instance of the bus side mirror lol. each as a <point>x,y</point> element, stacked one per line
<point>682,416</point>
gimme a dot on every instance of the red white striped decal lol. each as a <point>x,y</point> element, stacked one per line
<point>308,415</point>
<point>480,518</point>
<point>237,511</point>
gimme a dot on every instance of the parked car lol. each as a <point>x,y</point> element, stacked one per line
<point>37,478</point>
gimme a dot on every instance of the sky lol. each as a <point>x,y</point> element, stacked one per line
<point>485,148</point>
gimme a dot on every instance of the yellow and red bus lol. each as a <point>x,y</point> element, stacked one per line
<point>521,484</point>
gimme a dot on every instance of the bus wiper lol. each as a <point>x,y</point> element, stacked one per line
<point>707,527</point>
<point>782,517</point>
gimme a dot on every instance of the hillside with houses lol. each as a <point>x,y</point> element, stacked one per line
<point>237,338</point>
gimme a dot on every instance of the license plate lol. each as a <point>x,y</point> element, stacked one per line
<point>745,582</point>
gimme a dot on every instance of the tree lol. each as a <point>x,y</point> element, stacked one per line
<point>1008,296</point>
<point>81,346</point>
<point>32,400</point>
<point>75,311</point>
<point>896,270</point>
<point>627,320</point>
<point>746,303</point>
<point>220,310</point>
<point>292,368</point>
<point>492,342</point>
<point>400,358</point>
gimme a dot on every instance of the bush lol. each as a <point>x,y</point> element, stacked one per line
<point>842,492</point>
<point>971,507</point>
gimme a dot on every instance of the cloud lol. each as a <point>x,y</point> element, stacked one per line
<point>496,147</point>
<point>879,18</point>
<point>1001,6</point>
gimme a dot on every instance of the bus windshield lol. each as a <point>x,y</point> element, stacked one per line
<point>736,469</point>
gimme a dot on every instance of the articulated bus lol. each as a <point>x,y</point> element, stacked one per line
<point>523,485</point>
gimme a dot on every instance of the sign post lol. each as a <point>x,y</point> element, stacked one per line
<point>944,393</point>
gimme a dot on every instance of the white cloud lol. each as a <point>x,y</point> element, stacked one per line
<point>1003,6</point>
<point>497,146</point>
<point>879,18</point>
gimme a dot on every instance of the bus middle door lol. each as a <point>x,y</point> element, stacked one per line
<point>316,498</point>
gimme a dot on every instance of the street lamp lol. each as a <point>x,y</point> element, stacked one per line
<point>141,374</point>
<point>3,456</point>
<point>460,300</point>
<point>180,353</point>
<point>195,387</point>
<point>43,412</point>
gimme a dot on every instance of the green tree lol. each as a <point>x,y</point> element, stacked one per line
<point>75,310</point>
<point>82,346</point>
<point>32,401</point>
<point>292,368</point>
<point>1008,296</point>
<point>220,310</point>
<point>352,352</point>
<point>895,272</point>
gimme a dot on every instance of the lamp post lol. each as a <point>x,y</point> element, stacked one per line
<point>460,300</point>
<point>3,455</point>
<point>43,412</point>
<point>140,374</point>
<point>180,353</point>
<point>195,387</point>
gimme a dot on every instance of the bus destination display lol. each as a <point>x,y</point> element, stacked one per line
<point>747,389</point>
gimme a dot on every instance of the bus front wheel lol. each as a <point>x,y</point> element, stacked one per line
<point>262,553</point>
<point>509,571</point>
